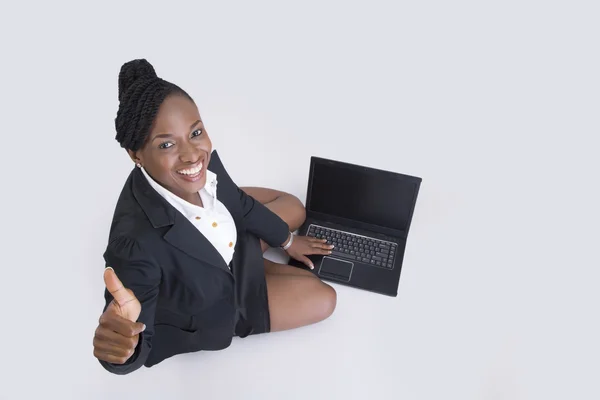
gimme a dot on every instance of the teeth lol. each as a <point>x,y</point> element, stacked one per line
<point>191,171</point>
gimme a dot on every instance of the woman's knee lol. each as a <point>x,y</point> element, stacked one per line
<point>297,214</point>
<point>327,300</point>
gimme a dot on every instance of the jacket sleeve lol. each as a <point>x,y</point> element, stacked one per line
<point>258,219</point>
<point>141,274</point>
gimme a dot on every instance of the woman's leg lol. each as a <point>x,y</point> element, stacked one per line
<point>288,207</point>
<point>296,296</point>
<point>295,299</point>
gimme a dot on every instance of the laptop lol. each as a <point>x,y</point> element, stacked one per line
<point>366,214</point>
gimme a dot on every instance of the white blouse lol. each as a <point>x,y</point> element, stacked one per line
<point>213,220</point>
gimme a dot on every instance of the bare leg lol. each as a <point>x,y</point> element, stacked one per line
<point>288,207</point>
<point>296,297</point>
<point>296,300</point>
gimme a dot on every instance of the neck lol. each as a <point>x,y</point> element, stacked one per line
<point>193,198</point>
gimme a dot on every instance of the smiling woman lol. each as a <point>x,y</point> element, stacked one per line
<point>178,153</point>
<point>184,266</point>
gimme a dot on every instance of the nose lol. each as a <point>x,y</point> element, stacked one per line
<point>189,153</point>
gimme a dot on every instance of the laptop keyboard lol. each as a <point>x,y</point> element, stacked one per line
<point>378,253</point>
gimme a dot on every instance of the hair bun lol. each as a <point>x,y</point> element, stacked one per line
<point>133,71</point>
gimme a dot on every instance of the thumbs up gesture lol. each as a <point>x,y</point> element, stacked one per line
<point>118,333</point>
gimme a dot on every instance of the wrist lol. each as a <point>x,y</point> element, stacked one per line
<point>287,244</point>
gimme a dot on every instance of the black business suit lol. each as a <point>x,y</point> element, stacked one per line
<point>190,299</point>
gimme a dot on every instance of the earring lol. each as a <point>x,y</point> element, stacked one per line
<point>138,165</point>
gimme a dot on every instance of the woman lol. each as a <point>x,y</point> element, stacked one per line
<point>184,261</point>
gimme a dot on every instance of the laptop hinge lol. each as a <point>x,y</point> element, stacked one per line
<point>352,224</point>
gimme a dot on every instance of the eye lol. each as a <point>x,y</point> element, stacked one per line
<point>165,145</point>
<point>197,132</point>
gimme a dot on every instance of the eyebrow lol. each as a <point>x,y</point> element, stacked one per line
<point>168,135</point>
<point>162,135</point>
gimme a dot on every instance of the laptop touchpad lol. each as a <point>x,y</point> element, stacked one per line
<point>336,269</point>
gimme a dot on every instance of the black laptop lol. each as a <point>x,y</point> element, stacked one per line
<point>366,214</point>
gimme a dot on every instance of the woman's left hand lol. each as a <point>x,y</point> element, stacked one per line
<point>303,246</point>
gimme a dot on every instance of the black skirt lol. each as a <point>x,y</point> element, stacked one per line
<point>252,303</point>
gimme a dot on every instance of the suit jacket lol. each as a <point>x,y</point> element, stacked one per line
<point>190,299</point>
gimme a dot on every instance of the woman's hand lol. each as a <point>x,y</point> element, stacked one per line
<point>306,245</point>
<point>117,335</point>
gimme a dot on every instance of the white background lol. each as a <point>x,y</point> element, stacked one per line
<point>495,106</point>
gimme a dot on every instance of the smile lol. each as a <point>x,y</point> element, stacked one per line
<point>191,172</point>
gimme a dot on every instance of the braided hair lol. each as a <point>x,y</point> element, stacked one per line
<point>141,92</point>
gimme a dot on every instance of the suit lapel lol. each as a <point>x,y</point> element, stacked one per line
<point>182,234</point>
<point>227,192</point>
<point>188,239</point>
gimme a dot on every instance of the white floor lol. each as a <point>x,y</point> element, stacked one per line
<point>494,106</point>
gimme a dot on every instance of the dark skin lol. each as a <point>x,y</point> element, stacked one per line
<point>178,142</point>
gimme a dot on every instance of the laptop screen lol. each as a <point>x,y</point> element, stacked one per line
<point>361,194</point>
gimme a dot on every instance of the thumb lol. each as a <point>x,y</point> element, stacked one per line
<point>306,261</point>
<point>121,295</point>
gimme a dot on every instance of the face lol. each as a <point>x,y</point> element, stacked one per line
<point>178,148</point>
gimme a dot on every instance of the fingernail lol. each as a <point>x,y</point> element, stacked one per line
<point>108,268</point>
<point>312,266</point>
<point>331,246</point>
<point>143,328</point>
